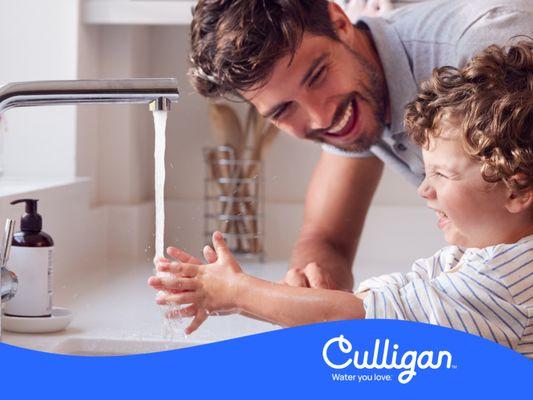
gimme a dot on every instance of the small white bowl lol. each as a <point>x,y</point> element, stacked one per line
<point>59,320</point>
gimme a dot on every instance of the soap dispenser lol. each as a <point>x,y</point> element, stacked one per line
<point>31,260</point>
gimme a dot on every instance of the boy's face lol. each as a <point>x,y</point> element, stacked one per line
<point>471,212</point>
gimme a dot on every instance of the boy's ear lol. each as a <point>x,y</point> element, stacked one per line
<point>521,200</point>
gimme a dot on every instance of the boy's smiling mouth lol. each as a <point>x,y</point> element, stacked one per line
<point>443,218</point>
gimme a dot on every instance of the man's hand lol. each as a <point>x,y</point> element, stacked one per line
<point>344,187</point>
<point>311,276</point>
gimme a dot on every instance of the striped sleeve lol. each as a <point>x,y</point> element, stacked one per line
<point>387,294</point>
<point>512,265</point>
<point>484,292</point>
<point>525,346</point>
<point>424,269</point>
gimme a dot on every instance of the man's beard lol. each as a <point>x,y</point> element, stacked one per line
<point>375,96</point>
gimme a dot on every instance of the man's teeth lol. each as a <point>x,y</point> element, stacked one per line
<point>342,123</point>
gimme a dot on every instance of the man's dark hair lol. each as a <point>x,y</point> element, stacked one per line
<point>235,43</point>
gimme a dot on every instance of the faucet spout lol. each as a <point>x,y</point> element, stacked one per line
<point>162,91</point>
<point>160,104</point>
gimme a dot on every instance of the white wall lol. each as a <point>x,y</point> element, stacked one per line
<point>39,41</point>
<point>114,144</point>
<point>125,153</point>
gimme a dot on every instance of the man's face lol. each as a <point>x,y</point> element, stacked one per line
<point>328,93</point>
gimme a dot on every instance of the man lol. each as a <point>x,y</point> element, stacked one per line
<point>303,65</point>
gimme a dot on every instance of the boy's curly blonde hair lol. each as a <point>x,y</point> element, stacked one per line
<point>490,100</point>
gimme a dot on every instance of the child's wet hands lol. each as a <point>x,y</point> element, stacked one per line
<point>176,277</point>
<point>206,289</point>
<point>219,279</point>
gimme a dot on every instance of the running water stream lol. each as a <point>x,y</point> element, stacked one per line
<point>171,327</point>
<point>160,123</point>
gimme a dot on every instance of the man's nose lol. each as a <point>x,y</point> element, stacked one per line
<point>426,190</point>
<point>320,114</point>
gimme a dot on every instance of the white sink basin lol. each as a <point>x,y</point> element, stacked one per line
<point>116,347</point>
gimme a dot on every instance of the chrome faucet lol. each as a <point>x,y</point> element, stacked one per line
<point>159,93</point>
<point>8,280</point>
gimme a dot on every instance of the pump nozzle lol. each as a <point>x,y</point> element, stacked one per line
<point>30,221</point>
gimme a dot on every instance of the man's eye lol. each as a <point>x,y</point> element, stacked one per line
<point>317,76</point>
<point>278,114</point>
<point>439,175</point>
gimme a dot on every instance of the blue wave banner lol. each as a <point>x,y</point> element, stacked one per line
<point>341,359</point>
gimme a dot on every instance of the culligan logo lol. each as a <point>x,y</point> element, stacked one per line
<point>382,358</point>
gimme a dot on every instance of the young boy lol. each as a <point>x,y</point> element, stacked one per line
<point>475,126</point>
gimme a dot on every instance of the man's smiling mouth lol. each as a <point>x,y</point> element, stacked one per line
<point>346,124</point>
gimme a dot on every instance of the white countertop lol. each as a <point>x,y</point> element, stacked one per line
<point>115,303</point>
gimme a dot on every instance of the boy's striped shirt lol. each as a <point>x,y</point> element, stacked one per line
<point>487,292</point>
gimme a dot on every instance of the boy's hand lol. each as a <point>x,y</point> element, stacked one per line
<point>207,288</point>
<point>184,257</point>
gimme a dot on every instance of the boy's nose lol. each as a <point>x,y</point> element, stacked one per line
<point>425,190</point>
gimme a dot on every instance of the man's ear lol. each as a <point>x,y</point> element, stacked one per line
<point>519,201</point>
<point>341,23</point>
